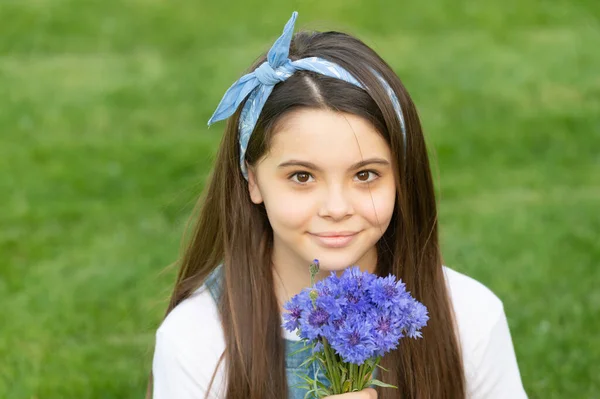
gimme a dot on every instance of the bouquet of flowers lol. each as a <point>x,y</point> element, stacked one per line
<point>350,322</point>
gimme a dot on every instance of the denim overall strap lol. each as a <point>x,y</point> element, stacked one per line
<point>214,283</point>
<point>295,370</point>
<point>293,360</point>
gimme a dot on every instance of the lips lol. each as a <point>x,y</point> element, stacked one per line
<point>336,234</point>
<point>338,239</point>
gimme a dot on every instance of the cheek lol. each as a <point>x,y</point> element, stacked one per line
<point>378,208</point>
<point>288,210</point>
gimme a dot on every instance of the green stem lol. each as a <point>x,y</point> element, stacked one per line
<point>336,369</point>
<point>331,367</point>
<point>361,377</point>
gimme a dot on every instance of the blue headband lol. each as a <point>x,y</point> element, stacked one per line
<point>258,85</point>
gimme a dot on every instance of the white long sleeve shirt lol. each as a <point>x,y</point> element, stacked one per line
<point>190,342</point>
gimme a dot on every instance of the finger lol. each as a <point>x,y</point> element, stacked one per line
<point>368,393</point>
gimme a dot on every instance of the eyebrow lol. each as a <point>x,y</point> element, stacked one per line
<point>310,165</point>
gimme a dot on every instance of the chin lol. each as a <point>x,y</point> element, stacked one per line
<point>335,262</point>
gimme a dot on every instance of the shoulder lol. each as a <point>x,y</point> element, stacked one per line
<point>189,345</point>
<point>474,303</point>
<point>490,364</point>
<point>476,309</point>
<point>194,318</point>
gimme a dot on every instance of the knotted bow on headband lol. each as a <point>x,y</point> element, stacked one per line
<point>258,85</point>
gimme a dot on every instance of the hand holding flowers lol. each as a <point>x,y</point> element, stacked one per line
<point>367,393</point>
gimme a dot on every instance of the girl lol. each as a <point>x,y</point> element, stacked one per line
<point>322,157</point>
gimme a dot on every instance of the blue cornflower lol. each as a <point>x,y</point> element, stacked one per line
<point>313,320</point>
<point>354,341</point>
<point>353,278</point>
<point>331,304</point>
<point>417,319</point>
<point>386,292</point>
<point>295,307</point>
<point>329,286</point>
<point>387,331</point>
<point>354,285</point>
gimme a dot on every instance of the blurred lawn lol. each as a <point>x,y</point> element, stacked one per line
<point>104,148</point>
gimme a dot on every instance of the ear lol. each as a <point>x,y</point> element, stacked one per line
<point>253,189</point>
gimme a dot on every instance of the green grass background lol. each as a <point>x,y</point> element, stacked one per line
<point>104,150</point>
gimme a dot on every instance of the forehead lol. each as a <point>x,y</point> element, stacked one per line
<point>327,137</point>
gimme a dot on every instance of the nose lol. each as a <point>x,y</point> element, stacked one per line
<point>336,203</point>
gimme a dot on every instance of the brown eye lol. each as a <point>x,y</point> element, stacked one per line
<point>301,177</point>
<point>367,176</point>
<point>363,176</point>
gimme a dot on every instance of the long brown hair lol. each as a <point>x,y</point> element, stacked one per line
<point>232,230</point>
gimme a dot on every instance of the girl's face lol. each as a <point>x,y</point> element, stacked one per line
<point>328,187</point>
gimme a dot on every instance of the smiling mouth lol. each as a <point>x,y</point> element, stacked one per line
<point>334,239</point>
